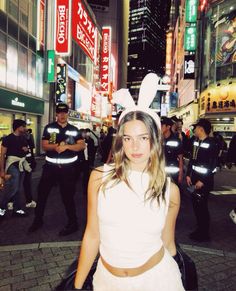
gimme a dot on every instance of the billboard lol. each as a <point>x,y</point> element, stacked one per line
<point>191,7</point>
<point>105,59</point>
<point>84,31</point>
<point>189,67</point>
<point>61,84</point>
<point>190,38</point>
<point>63,27</point>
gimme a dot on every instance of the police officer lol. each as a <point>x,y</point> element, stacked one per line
<point>173,151</point>
<point>199,177</point>
<point>61,142</point>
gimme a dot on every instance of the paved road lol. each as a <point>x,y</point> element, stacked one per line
<point>38,261</point>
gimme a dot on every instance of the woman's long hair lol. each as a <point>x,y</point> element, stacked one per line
<point>155,166</point>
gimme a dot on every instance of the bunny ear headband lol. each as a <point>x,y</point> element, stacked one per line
<point>147,93</point>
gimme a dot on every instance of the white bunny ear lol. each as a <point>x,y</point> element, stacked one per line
<point>148,90</point>
<point>123,98</point>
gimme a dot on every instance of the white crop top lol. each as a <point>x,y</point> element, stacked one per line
<point>130,228</point>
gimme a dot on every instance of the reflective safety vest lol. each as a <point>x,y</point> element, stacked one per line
<point>171,169</point>
<point>61,160</point>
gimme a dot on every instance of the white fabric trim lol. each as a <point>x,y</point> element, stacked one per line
<point>61,161</point>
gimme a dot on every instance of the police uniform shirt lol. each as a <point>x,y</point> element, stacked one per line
<point>203,161</point>
<point>14,145</point>
<point>56,134</point>
<point>173,148</point>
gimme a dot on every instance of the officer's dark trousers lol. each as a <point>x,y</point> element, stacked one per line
<point>65,177</point>
<point>200,207</point>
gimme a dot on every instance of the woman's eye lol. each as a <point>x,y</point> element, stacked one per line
<point>145,138</point>
<point>126,139</point>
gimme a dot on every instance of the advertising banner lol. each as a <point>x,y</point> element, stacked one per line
<point>189,67</point>
<point>191,10</point>
<point>96,105</point>
<point>190,38</point>
<point>61,83</point>
<point>63,27</point>
<point>105,59</point>
<point>83,29</point>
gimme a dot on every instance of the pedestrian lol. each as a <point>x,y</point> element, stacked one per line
<point>13,162</point>
<point>200,177</point>
<point>95,135</point>
<point>173,151</point>
<point>27,181</point>
<point>90,147</point>
<point>132,209</point>
<point>107,144</point>
<point>61,143</point>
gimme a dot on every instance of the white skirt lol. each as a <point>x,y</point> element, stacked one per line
<point>165,276</point>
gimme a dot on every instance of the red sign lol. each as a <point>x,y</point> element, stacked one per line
<point>105,59</point>
<point>40,24</point>
<point>83,29</point>
<point>62,30</point>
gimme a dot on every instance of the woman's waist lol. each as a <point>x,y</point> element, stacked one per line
<point>149,263</point>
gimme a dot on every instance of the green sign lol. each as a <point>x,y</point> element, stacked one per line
<point>51,66</point>
<point>18,102</point>
<point>190,38</point>
<point>191,10</point>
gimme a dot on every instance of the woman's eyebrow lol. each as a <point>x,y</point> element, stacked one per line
<point>141,134</point>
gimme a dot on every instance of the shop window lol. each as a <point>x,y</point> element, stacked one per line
<point>23,37</point>
<point>12,8</point>
<point>32,43</point>
<point>31,72</point>
<point>3,58</point>
<point>12,28</point>
<point>12,64</point>
<point>5,124</point>
<point>23,13</point>
<point>33,17</point>
<point>3,20</point>
<point>22,69</point>
<point>3,5</point>
<point>39,77</point>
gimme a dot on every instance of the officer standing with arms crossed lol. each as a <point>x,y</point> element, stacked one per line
<point>61,143</point>
<point>200,177</point>
<point>173,151</point>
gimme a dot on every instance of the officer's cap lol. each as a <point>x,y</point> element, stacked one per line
<point>205,124</point>
<point>174,119</point>
<point>167,121</point>
<point>62,107</point>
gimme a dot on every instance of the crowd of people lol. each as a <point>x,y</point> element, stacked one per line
<point>140,182</point>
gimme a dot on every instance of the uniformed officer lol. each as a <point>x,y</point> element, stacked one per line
<point>173,151</point>
<point>61,142</point>
<point>200,177</point>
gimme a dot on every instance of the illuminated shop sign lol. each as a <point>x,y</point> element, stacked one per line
<point>105,59</point>
<point>40,24</point>
<point>62,29</point>
<point>51,64</point>
<point>83,29</point>
<point>189,67</point>
<point>61,83</point>
<point>220,99</point>
<point>168,52</point>
<point>191,10</point>
<point>190,38</point>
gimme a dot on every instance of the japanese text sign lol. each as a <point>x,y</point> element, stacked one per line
<point>190,38</point>
<point>83,29</point>
<point>63,29</point>
<point>105,59</point>
<point>191,10</point>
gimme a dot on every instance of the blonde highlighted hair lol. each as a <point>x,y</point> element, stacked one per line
<point>156,164</point>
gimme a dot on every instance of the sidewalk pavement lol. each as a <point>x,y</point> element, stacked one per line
<point>38,261</point>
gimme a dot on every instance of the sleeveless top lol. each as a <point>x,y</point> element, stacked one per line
<point>130,227</point>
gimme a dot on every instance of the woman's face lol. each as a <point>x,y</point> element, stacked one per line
<point>136,144</point>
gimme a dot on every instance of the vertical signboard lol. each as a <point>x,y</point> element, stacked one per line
<point>51,64</point>
<point>83,29</point>
<point>190,38</point>
<point>191,10</point>
<point>40,24</point>
<point>105,59</point>
<point>61,83</point>
<point>189,67</point>
<point>63,27</point>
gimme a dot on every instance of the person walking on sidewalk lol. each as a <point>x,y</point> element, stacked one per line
<point>200,177</point>
<point>132,210</point>
<point>61,143</point>
<point>13,162</point>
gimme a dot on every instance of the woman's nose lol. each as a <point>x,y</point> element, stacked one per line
<point>135,144</point>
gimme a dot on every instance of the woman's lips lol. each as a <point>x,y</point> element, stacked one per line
<point>136,156</point>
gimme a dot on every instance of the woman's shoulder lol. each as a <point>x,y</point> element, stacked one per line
<point>100,171</point>
<point>174,193</point>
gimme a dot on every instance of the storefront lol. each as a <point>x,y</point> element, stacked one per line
<point>18,106</point>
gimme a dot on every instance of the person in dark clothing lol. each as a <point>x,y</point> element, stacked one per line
<point>231,154</point>
<point>173,151</point>
<point>200,177</point>
<point>90,147</point>
<point>14,149</point>
<point>30,203</point>
<point>61,143</point>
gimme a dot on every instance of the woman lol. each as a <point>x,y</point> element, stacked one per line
<point>132,210</point>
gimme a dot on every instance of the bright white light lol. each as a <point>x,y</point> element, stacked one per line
<point>226,119</point>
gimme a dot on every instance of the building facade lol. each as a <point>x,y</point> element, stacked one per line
<point>147,30</point>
